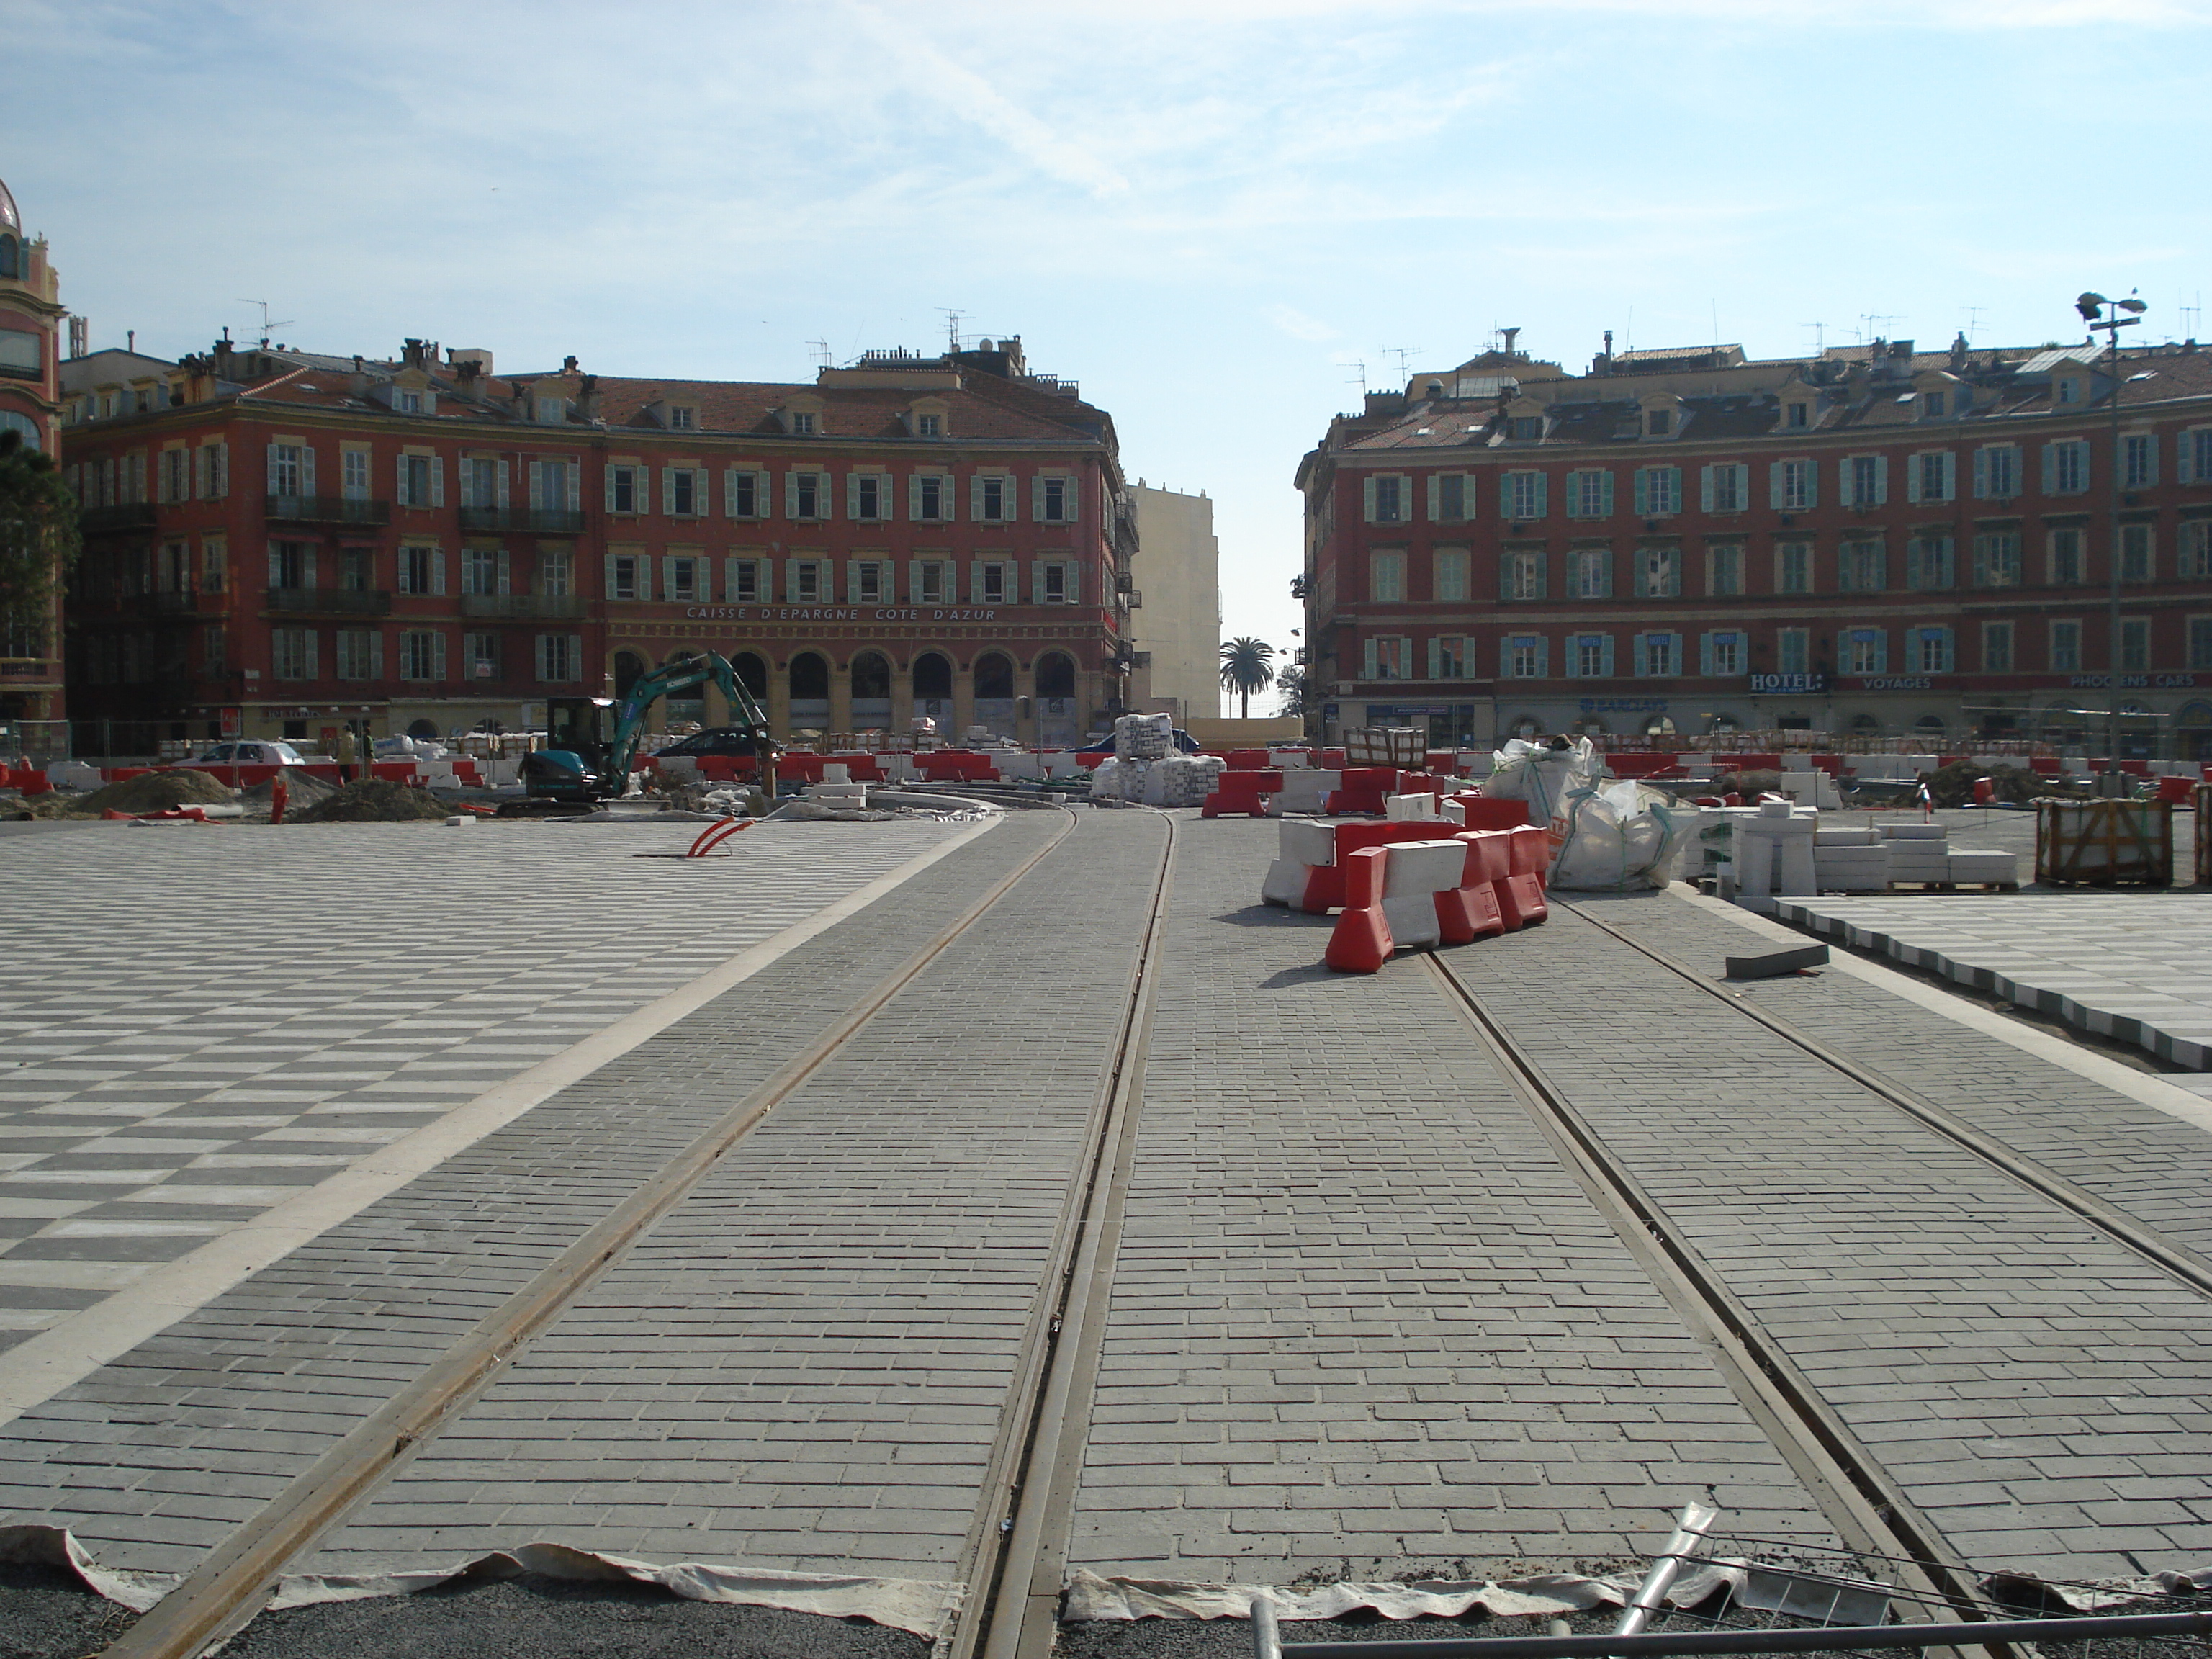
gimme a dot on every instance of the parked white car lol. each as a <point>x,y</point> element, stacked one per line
<point>263,752</point>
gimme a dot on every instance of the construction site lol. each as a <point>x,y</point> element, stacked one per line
<point>986,1202</point>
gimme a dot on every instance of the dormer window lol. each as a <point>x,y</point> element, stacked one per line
<point>552,411</point>
<point>802,423</point>
<point>1658,422</point>
<point>408,403</point>
<point>2068,390</point>
<point>1932,408</point>
<point>683,420</point>
<point>929,426</point>
<point>1797,415</point>
<point>1528,426</point>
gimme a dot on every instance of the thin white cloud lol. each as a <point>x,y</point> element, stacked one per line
<point>1299,326</point>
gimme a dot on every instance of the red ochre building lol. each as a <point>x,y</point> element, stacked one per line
<point>1874,541</point>
<point>278,542</point>
<point>31,312</point>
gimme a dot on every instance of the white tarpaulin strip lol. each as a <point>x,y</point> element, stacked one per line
<point>1089,1596</point>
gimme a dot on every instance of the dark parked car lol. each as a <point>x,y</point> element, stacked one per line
<point>715,740</point>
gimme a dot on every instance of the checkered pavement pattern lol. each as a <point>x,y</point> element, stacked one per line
<point>196,1024</point>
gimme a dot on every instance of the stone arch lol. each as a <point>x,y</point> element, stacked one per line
<point>752,669</point>
<point>933,675</point>
<point>629,667</point>
<point>1055,675</point>
<point>995,675</point>
<point>809,680</point>
<point>870,680</point>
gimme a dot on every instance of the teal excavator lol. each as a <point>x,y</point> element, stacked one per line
<point>591,741</point>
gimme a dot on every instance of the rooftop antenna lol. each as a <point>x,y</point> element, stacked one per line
<point>1820,336</point>
<point>1359,365</point>
<point>1404,355</point>
<point>821,350</point>
<point>1716,305</point>
<point>267,327</point>
<point>1973,319</point>
<point>1875,324</point>
<point>952,320</point>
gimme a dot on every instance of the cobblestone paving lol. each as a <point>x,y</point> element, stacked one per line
<point>2036,1389</point>
<point>153,1458</point>
<point>2132,1156</point>
<point>195,1025</point>
<point>804,1366</point>
<point>1361,1316</point>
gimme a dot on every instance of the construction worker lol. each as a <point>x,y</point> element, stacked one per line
<point>349,752</point>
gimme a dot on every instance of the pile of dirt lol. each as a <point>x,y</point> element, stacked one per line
<point>157,791</point>
<point>1750,785</point>
<point>373,800</point>
<point>301,791</point>
<point>2015,786</point>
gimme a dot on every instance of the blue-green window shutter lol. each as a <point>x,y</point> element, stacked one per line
<point>1543,494</point>
<point>2050,469</point>
<point>1674,489</point>
<point>1370,674</point>
<point>1435,657</point>
<point>1981,475</point>
<point>1949,647</point>
<point>1881,651</point>
<point>1605,574</point>
<point>1543,575</point>
<point>1704,654</point>
<point>1604,655</point>
<point>1950,477</point>
<point>1705,489</point>
<point>1642,492</point>
<point>1504,575</point>
<point>1605,492</point>
<point>1544,656</point>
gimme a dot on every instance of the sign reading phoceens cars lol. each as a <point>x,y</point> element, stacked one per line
<point>827,613</point>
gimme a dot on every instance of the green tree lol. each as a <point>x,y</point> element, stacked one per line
<point>1247,665</point>
<point>1290,681</point>
<point>39,534</point>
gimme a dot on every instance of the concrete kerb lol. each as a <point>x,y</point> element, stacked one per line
<point>37,1369</point>
<point>2144,1088</point>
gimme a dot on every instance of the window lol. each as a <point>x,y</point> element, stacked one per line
<point>176,474</point>
<point>2194,559</point>
<point>1793,651</point>
<point>681,578</point>
<point>556,572</point>
<point>929,582</point>
<point>21,352</point>
<point>2069,390</point>
<point>747,583</point>
<point>1387,656</point>
<point>1996,472</point>
<point>1521,495</point>
<point>292,653</point>
<point>1055,499</point>
<point>683,420</point>
<point>1933,477</point>
<point>1658,491</point>
<point>867,495</point>
<point>1866,651</point>
<point>1862,567</point>
<point>480,571</point>
<point>744,494</point>
<point>2066,557</point>
<point>1797,415</point>
<point>2138,560</point>
<point>627,577</point>
<point>1659,656</point>
<point>1386,500</point>
<point>2138,461</point>
<point>802,423</point>
<point>1658,422</point>
<point>1996,647</point>
<point>291,565</point>
<point>214,470</point>
<point>2200,641</point>
<point>807,582</point>
<point>1658,572</point>
<point>287,470</point>
<point>1057,588</point>
<point>214,564</point>
<point>2134,644</point>
<point>1591,577</point>
<point>994,498</point>
<point>214,650</point>
<point>2066,467</point>
<point>2066,646</point>
<point>422,655</point>
<point>993,582</point>
<point>1724,570</point>
<point>680,495</point>
<point>867,582</point>
<point>1793,567</point>
<point>2196,455</point>
<point>1931,405</point>
<point>1387,577</point>
<point>1865,481</point>
<point>1589,494</point>
<point>627,488</point>
<point>560,658</point>
<point>407,403</point>
<point>1589,656</point>
<point>929,426</point>
<point>357,654</point>
<point>1526,427</point>
<point>1997,559</point>
<point>1452,498</point>
<point>1523,576</point>
<point>1524,657</point>
<point>421,481</point>
<point>1724,655</point>
<point>422,570</point>
<point>806,495</point>
<point>554,486</point>
<point>1928,562</point>
<point>1727,487</point>
<point>1448,657</point>
<point>480,656</point>
<point>1929,650</point>
<point>929,498</point>
<point>484,482</point>
<point>1450,580</point>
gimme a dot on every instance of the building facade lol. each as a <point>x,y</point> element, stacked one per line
<point>1873,541</point>
<point>278,542</point>
<point>31,315</point>
<point>1176,614</point>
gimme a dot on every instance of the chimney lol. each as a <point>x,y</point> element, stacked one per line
<point>587,397</point>
<point>357,383</point>
<point>411,352</point>
<point>568,365</point>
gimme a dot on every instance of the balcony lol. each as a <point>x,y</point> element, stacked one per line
<point>330,602</point>
<point>537,521</point>
<point>524,607</point>
<point>186,605</point>
<point>106,520</point>
<point>325,509</point>
<point>29,668</point>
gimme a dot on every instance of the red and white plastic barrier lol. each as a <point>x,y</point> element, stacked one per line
<point>1417,895</point>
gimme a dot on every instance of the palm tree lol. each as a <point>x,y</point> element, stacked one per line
<point>1246,667</point>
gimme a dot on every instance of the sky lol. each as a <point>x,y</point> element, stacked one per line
<point>1223,217</point>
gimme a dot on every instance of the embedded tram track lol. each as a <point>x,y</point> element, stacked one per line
<point>233,1581</point>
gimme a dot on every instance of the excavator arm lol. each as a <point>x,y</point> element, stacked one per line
<point>701,668</point>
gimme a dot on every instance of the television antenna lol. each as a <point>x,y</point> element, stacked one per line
<point>821,350</point>
<point>1359,365</point>
<point>953,321</point>
<point>1404,355</point>
<point>1820,336</point>
<point>267,325</point>
<point>1973,318</point>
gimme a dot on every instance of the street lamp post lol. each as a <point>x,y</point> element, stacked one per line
<point>2099,312</point>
